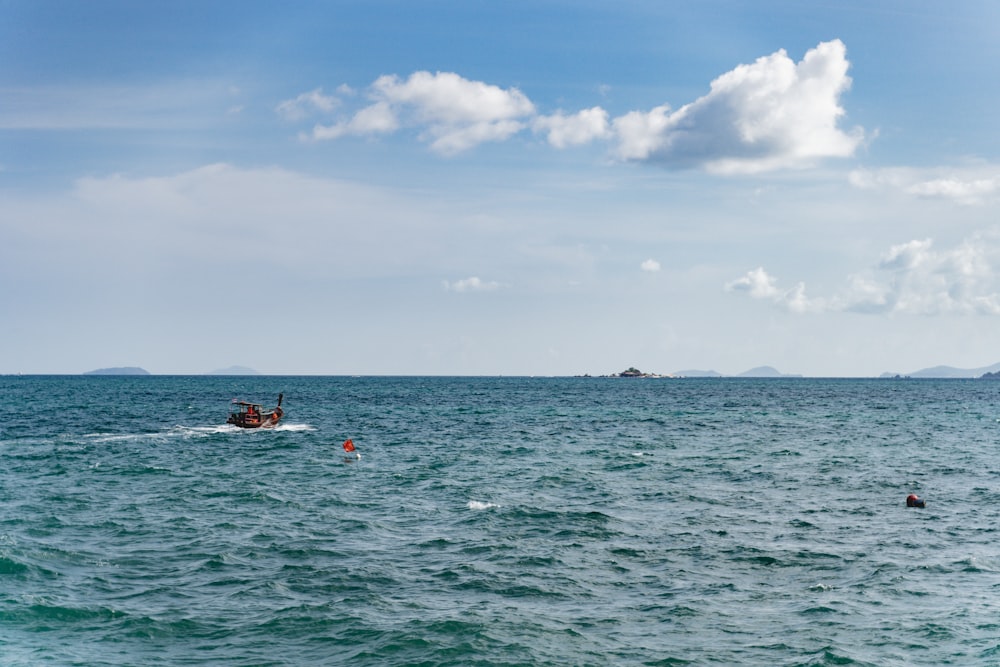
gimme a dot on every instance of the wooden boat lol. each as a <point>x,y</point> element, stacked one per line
<point>252,415</point>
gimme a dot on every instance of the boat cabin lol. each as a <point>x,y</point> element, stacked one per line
<point>252,415</point>
<point>245,414</point>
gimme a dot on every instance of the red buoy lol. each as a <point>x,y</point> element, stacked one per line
<point>913,500</point>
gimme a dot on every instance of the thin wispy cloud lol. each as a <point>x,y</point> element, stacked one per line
<point>378,118</point>
<point>471,284</point>
<point>771,114</point>
<point>306,104</point>
<point>970,186</point>
<point>911,278</point>
<point>650,265</point>
<point>220,214</point>
<point>175,104</point>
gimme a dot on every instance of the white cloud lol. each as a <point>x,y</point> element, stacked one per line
<point>305,104</point>
<point>771,114</point>
<point>911,278</point>
<point>580,128</point>
<point>457,113</point>
<point>964,185</point>
<point>378,118</point>
<point>448,99</point>
<point>906,256</point>
<point>650,265</point>
<point>757,283</point>
<point>640,134</point>
<point>768,115</point>
<point>449,140</point>
<point>761,285</point>
<point>472,284</point>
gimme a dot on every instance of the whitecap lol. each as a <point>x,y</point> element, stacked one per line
<point>202,430</point>
<point>293,427</point>
<point>480,505</point>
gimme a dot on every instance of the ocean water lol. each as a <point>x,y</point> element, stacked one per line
<point>499,521</point>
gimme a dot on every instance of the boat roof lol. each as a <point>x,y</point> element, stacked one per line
<point>256,405</point>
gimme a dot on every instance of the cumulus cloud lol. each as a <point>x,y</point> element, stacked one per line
<point>760,285</point>
<point>639,134</point>
<point>650,265</point>
<point>579,128</point>
<point>910,278</point>
<point>771,114</point>
<point>757,283</point>
<point>455,114</point>
<point>965,185</point>
<point>471,284</point>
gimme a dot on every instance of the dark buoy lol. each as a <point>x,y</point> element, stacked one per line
<point>913,500</point>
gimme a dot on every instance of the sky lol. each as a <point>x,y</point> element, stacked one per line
<point>542,187</point>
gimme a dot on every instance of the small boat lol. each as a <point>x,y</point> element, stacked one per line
<point>252,415</point>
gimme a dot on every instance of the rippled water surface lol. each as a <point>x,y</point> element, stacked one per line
<point>499,521</point>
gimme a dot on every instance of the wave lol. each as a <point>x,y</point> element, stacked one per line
<point>480,505</point>
<point>181,431</point>
<point>293,427</point>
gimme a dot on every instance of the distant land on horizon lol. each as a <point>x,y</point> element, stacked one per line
<point>934,372</point>
<point>135,370</point>
<point>234,370</point>
<point>119,370</point>
<point>757,372</point>
<point>946,372</point>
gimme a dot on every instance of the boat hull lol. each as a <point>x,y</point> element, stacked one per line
<point>266,420</point>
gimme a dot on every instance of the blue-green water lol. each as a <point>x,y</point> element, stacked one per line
<point>499,521</point>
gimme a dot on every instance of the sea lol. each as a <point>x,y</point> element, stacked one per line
<point>499,521</point>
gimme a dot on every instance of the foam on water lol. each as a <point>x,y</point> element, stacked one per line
<point>480,505</point>
<point>285,426</point>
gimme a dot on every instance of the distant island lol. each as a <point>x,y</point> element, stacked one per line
<point>234,370</point>
<point>948,372</point>
<point>120,370</point>
<point>630,372</point>
<point>766,372</point>
<point>935,372</point>
<point>633,372</point>
<point>698,374</point>
<point>758,372</point>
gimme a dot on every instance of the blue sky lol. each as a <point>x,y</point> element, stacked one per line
<point>543,188</point>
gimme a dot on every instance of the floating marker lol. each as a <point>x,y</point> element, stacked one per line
<point>349,447</point>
